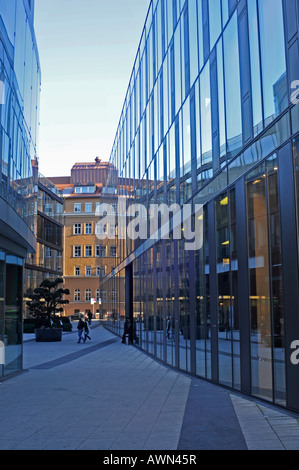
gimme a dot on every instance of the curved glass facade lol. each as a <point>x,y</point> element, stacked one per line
<point>209,119</point>
<point>20,81</point>
<point>19,119</point>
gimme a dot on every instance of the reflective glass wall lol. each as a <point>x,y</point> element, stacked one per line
<point>19,121</point>
<point>20,80</point>
<point>208,119</point>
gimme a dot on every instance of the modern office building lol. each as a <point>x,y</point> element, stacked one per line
<point>211,118</point>
<point>88,255</point>
<point>19,108</point>
<point>46,262</point>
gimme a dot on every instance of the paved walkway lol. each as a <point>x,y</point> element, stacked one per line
<point>104,395</point>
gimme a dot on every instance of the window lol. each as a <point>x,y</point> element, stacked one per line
<point>101,229</point>
<point>220,79</point>
<point>265,275</point>
<point>101,271</point>
<point>88,271</point>
<point>112,230</point>
<point>77,207</point>
<point>103,297</point>
<point>101,251</point>
<point>49,209</point>
<point>232,87</point>
<point>224,285</point>
<point>215,21</point>
<point>77,229</point>
<point>84,190</point>
<point>193,42</point>
<point>87,295</point>
<point>88,207</point>
<point>273,60</point>
<point>88,251</point>
<point>114,295</point>
<point>206,119</point>
<point>98,295</point>
<point>186,137</point>
<point>177,70</point>
<point>77,296</point>
<point>77,251</point>
<point>48,252</point>
<point>255,67</point>
<point>113,251</point>
<point>77,271</point>
<point>88,229</point>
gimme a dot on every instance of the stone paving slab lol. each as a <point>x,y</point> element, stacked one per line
<point>92,396</point>
<point>104,395</point>
<point>210,422</point>
<point>265,428</point>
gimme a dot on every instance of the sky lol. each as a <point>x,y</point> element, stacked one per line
<point>87,50</point>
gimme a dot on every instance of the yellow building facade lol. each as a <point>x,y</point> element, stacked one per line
<point>88,257</point>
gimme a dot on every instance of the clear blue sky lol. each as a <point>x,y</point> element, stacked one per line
<point>87,51</point>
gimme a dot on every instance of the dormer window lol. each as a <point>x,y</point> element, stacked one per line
<point>84,190</point>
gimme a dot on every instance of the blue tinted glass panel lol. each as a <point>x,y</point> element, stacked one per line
<point>20,45</point>
<point>224,11</point>
<point>273,58</point>
<point>187,136</point>
<point>215,21</point>
<point>193,40</point>
<point>206,123</point>
<point>198,125</point>
<point>165,96</point>
<point>8,14</point>
<point>222,136</point>
<point>168,5</point>
<point>177,70</point>
<point>232,87</point>
<point>200,33</point>
<point>159,36</point>
<point>255,67</point>
<point>172,151</point>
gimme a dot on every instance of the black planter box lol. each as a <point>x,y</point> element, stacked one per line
<point>48,335</point>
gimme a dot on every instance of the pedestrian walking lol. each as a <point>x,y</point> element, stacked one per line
<point>135,337</point>
<point>170,327</point>
<point>86,331</point>
<point>89,317</point>
<point>80,329</point>
<point>128,331</point>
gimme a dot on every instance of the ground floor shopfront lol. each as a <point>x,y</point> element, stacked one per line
<point>11,307</point>
<point>16,240</point>
<point>229,312</point>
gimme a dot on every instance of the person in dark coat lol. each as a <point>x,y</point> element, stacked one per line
<point>80,329</point>
<point>86,330</point>
<point>128,330</point>
<point>135,337</point>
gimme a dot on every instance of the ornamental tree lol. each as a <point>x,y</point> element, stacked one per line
<point>47,300</point>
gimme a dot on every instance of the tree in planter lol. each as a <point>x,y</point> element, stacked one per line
<point>46,301</point>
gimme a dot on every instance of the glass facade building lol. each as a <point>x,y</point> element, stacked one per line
<point>19,117</point>
<point>211,117</point>
<point>46,262</point>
